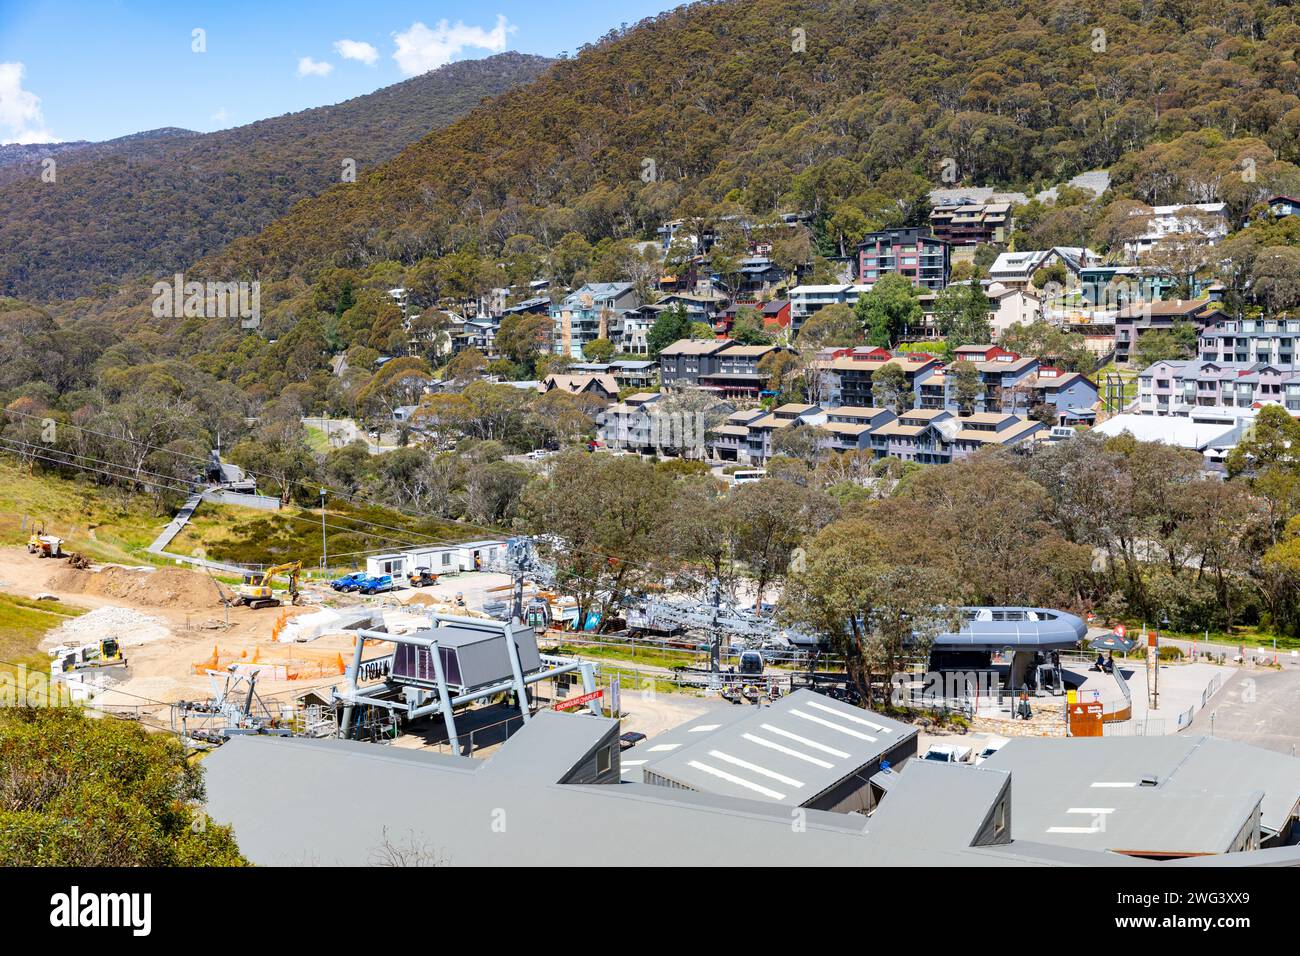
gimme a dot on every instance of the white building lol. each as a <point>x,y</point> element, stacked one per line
<point>1194,222</point>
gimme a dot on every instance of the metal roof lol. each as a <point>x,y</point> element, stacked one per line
<point>789,753</point>
<point>955,801</point>
<point>341,802</point>
<point>1203,794</point>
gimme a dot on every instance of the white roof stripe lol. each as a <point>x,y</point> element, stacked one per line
<point>805,741</point>
<point>660,747</point>
<point>761,771</point>
<point>788,751</point>
<point>853,717</point>
<point>701,728</point>
<point>1074,829</point>
<point>832,725</point>
<point>1092,811</point>
<point>1114,783</point>
<point>738,781</point>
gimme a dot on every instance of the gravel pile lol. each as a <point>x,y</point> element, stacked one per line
<point>130,628</point>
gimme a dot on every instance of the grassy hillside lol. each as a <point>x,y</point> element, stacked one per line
<point>23,623</point>
<point>147,204</point>
<point>95,520</point>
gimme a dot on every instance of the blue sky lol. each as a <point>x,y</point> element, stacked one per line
<point>76,69</point>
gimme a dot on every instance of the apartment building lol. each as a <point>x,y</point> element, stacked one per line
<point>1134,321</point>
<point>627,425</point>
<point>1251,341</point>
<point>683,362</point>
<point>937,436</point>
<point>845,375</point>
<point>737,374</point>
<point>1192,222</point>
<point>1002,375</point>
<point>850,428</point>
<point>914,253</point>
<point>590,313</point>
<point>964,222</point>
<point>807,299</point>
<point>1190,388</point>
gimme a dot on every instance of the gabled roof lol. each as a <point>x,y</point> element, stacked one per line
<point>695,347</point>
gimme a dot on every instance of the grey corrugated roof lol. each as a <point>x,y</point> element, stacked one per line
<point>789,752</point>
<point>1206,790</point>
<point>952,801</point>
<point>339,802</point>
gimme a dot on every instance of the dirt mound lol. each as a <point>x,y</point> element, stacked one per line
<point>164,587</point>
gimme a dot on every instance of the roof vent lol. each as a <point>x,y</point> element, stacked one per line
<point>1151,780</point>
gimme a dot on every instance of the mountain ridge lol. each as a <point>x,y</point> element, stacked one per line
<point>159,200</point>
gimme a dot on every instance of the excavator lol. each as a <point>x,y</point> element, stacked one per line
<point>45,545</point>
<point>256,590</point>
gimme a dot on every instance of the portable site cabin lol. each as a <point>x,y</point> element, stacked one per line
<point>441,559</point>
<point>394,564</point>
<point>477,555</point>
<point>438,560</point>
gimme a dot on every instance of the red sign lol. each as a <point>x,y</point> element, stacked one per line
<point>578,701</point>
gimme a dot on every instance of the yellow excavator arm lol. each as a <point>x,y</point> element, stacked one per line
<point>256,591</point>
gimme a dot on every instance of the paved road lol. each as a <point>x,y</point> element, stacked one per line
<point>1256,707</point>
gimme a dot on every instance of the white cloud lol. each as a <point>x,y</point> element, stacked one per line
<point>420,49</point>
<point>221,117</point>
<point>309,67</point>
<point>357,50</point>
<point>21,120</point>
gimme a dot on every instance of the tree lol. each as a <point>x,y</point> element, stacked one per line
<point>465,366</point>
<point>598,350</point>
<point>522,337</point>
<point>771,518</point>
<point>967,386</point>
<point>1272,441</point>
<point>889,310</point>
<point>670,325</point>
<point>97,793</point>
<point>962,313</point>
<point>832,326</point>
<point>876,610</point>
<point>889,388</point>
<point>604,516</point>
<point>1277,277</point>
<point>748,329</point>
<point>1167,346</point>
<point>1066,350</point>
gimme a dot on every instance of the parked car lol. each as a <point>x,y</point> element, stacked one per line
<point>992,746</point>
<point>377,584</point>
<point>630,739</point>
<point>949,754</point>
<point>349,582</point>
<point>421,578</point>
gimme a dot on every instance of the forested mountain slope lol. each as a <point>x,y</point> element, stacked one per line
<point>150,203</point>
<point>732,115</point>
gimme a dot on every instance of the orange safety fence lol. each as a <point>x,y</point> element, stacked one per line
<point>301,665</point>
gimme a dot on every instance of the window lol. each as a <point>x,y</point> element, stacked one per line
<point>604,759</point>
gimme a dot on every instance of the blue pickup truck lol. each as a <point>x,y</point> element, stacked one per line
<point>377,584</point>
<point>349,582</point>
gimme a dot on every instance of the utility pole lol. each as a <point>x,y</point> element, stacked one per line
<point>324,542</point>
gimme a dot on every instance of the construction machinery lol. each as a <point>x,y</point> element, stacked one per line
<point>106,653</point>
<point>256,590</point>
<point>45,545</point>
